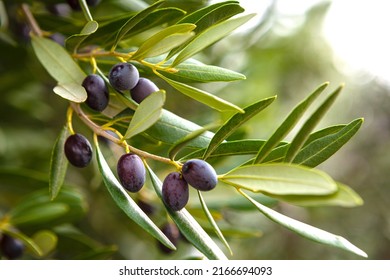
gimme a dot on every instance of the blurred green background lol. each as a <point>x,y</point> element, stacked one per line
<point>283,51</point>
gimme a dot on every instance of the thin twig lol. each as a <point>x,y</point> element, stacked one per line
<point>31,21</point>
<point>102,132</point>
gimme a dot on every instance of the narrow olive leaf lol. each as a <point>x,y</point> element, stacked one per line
<point>27,241</point>
<point>220,14</point>
<point>38,208</point>
<point>147,114</point>
<point>288,124</point>
<point>278,154</point>
<point>213,224</point>
<point>165,40</point>
<point>188,72</point>
<point>132,22</point>
<point>57,62</point>
<point>229,148</point>
<point>209,16</point>
<point>323,148</point>
<point>167,44</point>
<point>107,33</point>
<point>304,133</point>
<point>175,148</point>
<point>202,96</point>
<point>159,17</point>
<point>39,215</point>
<point>229,200</point>
<point>280,179</point>
<point>344,197</point>
<point>305,230</point>
<point>74,41</point>
<point>235,122</point>
<point>126,203</point>
<point>189,227</point>
<point>324,132</point>
<point>58,164</point>
<point>72,92</point>
<point>201,13</point>
<point>241,147</point>
<point>210,36</point>
<point>171,128</point>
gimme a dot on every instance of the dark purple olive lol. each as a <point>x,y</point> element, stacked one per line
<point>123,76</point>
<point>78,150</point>
<point>131,172</point>
<point>172,232</point>
<point>175,191</point>
<point>10,247</point>
<point>199,174</point>
<point>143,89</point>
<point>97,93</point>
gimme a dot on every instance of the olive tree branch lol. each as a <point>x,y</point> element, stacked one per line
<point>98,130</point>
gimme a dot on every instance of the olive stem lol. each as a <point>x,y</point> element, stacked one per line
<point>85,9</point>
<point>31,20</point>
<point>69,115</point>
<point>98,130</point>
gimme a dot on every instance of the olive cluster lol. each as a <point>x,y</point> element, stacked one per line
<point>196,173</point>
<point>130,167</point>
<point>125,76</point>
<point>122,76</point>
<point>175,192</point>
<point>10,247</point>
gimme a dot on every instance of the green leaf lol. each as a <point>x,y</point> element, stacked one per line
<point>46,240</point>
<point>345,197</point>
<point>210,36</point>
<point>39,215</point>
<point>74,41</point>
<point>322,137</point>
<point>202,96</point>
<point>303,134</point>
<point>235,122</point>
<point>38,208</point>
<point>58,164</point>
<point>189,72</point>
<point>280,179</point>
<point>175,148</point>
<point>132,22</point>
<point>72,92</point>
<point>189,227</point>
<point>147,114</point>
<point>107,33</point>
<point>288,124</point>
<point>197,15</point>
<point>165,40</point>
<point>58,63</point>
<point>322,148</point>
<point>209,16</point>
<point>229,148</point>
<point>305,230</point>
<point>213,223</point>
<point>170,128</point>
<point>217,15</point>
<point>126,203</point>
<point>324,132</point>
